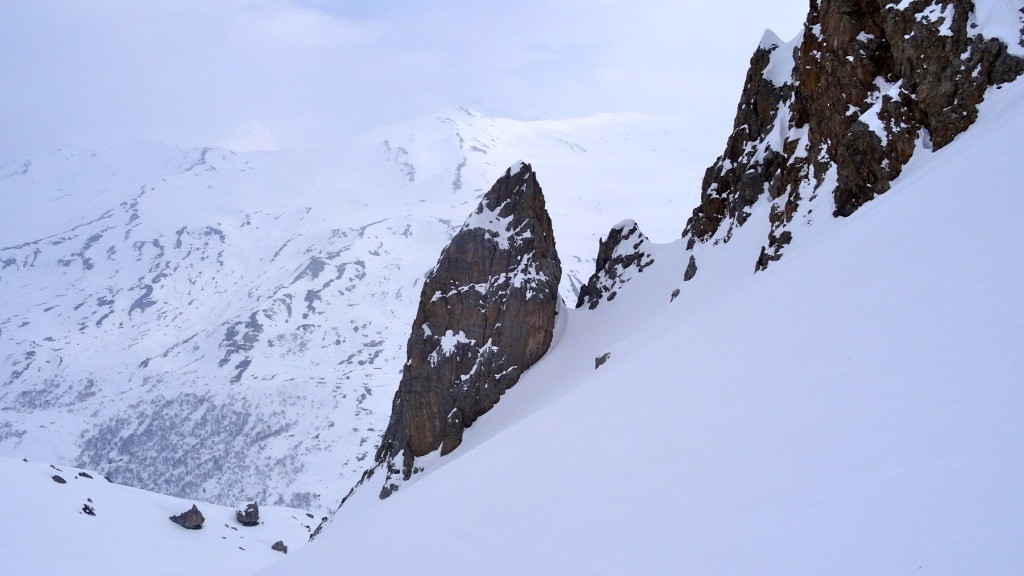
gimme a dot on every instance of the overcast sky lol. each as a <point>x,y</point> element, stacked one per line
<point>294,73</point>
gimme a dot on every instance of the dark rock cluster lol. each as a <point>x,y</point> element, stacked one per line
<point>626,249</point>
<point>871,79</point>
<point>486,314</point>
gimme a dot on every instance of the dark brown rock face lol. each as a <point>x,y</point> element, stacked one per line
<point>624,251</point>
<point>736,181</point>
<point>486,314</point>
<point>871,79</point>
<point>191,519</point>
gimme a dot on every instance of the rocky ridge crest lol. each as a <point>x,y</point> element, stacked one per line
<point>840,111</point>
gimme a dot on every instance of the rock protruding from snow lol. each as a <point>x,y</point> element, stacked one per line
<point>250,516</point>
<point>691,269</point>
<point>191,519</point>
<point>279,546</point>
<point>625,251</point>
<point>486,314</point>
<point>868,82</point>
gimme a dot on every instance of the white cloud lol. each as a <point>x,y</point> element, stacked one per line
<point>291,73</point>
<point>253,135</point>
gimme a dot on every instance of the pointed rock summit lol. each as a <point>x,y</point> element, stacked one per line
<point>486,314</point>
<point>625,251</point>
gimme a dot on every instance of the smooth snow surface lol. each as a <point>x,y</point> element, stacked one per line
<point>853,410</point>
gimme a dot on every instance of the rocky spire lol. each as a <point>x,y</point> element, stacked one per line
<point>486,314</point>
<point>625,251</point>
<point>840,110</point>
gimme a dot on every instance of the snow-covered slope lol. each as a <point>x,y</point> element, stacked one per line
<point>232,326</point>
<point>854,409</point>
<point>63,520</point>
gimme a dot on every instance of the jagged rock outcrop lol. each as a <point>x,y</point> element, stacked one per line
<point>841,111</point>
<point>486,314</point>
<point>191,519</point>
<point>691,269</point>
<point>624,251</point>
<point>250,516</point>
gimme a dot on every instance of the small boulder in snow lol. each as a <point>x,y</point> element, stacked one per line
<point>58,479</point>
<point>279,546</point>
<point>250,516</point>
<point>191,519</point>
